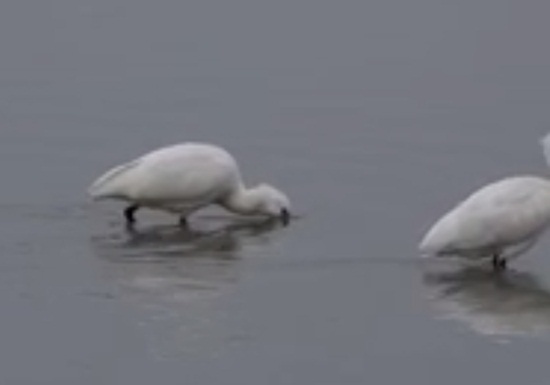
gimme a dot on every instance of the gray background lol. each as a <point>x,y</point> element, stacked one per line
<point>375,117</point>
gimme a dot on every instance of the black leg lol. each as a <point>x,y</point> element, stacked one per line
<point>183,222</point>
<point>498,262</point>
<point>129,214</point>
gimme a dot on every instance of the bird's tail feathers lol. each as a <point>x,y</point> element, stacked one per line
<point>108,185</point>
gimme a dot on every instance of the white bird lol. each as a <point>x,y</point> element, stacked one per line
<point>500,221</point>
<point>184,178</point>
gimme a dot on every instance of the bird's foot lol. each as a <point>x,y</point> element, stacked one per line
<point>129,214</point>
<point>183,223</point>
<point>499,263</point>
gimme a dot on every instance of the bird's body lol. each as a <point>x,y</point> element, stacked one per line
<point>499,221</point>
<point>184,178</point>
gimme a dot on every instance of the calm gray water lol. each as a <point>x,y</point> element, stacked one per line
<point>375,117</point>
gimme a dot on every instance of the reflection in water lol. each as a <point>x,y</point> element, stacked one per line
<point>173,277</point>
<point>174,264</point>
<point>511,303</point>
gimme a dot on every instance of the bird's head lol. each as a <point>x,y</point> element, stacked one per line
<point>272,203</point>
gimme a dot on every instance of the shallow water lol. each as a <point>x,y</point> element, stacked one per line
<point>374,117</point>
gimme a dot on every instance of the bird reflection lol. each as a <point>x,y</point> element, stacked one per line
<point>170,263</point>
<point>173,277</point>
<point>514,303</point>
<point>214,239</point>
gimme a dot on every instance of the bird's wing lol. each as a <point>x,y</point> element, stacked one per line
<point>504,218</point>
<point>191,181</point>
<point>499,214</point>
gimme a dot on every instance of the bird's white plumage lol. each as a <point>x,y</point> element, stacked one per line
<point>185,177</point>
<point>545,142</point>
<point>499,216</point>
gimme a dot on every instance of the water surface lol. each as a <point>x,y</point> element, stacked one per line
<point>374,117</point>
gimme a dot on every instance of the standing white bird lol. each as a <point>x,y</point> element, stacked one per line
<point>500,221</point>
<point>184,178</point>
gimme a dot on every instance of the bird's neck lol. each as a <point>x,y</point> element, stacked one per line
<point>241,200</point>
